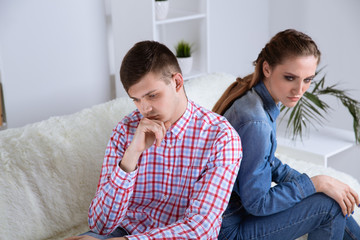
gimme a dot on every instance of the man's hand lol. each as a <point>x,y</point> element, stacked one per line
<point>148,132</point>
<point>344,195</point>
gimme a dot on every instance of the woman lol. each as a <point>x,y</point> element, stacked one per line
<point>320,206</point>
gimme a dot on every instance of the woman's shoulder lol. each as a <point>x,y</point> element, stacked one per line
<point>246,109</point>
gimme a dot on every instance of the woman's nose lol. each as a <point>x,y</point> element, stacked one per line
<point>298,88</point>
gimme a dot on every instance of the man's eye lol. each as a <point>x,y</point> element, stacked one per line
<point>152,95</point>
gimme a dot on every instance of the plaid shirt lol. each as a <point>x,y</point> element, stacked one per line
<point>179,190</point>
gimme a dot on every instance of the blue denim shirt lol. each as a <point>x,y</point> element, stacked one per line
<point>254,117</point>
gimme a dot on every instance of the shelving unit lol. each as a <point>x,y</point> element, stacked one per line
<point>135,20</point>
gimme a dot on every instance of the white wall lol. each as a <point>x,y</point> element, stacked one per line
<point>53,57</point>
<point>238,30</point>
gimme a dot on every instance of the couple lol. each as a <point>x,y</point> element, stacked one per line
<point>172,168</point>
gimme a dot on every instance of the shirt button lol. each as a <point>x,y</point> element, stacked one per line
<point>168,170</point>
<point>164,197</point>
<point>170,146</point>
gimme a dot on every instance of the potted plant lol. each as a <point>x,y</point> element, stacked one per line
<point>183,53</point>
<point>161,9</point>
<point>311,109</point>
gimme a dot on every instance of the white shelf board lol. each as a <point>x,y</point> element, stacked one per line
<point>321,143</point>
<point>179,16</point>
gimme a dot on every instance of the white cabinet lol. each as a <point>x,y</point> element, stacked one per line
<point>134,20</point>
<point>317,148</point>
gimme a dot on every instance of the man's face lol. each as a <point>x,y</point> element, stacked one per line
<point>157,98</point>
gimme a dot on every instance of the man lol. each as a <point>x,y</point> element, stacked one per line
<point>170,165</point>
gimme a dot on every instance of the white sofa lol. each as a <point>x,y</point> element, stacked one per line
<point>49,170</point>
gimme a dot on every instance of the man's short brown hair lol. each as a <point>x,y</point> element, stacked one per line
<point>145,57</point>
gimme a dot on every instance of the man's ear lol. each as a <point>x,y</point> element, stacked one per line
<point>266,69</point>
<point>179,81</point>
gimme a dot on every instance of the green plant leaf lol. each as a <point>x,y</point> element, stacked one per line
<point>183,49</point>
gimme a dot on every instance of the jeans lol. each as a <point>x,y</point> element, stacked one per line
<point>318,215</point>
<point>352,230</point>
<point>119,232</point>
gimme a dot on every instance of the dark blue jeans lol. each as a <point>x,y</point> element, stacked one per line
<point>317,215</point>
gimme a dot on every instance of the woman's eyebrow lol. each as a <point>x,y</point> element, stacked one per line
<point>312,76</point>
<point>294,75</point>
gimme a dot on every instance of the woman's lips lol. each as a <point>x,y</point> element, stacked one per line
<point>294,99</point>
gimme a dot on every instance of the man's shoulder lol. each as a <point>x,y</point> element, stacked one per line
<point>207,115</point>
<point>130,121</point>
<point>211,119</point>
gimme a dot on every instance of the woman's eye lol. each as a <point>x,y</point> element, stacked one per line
<point>307,80</point>
<point>289,78</point>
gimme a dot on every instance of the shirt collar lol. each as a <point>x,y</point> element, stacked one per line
<point>270,106</point>
<point>178,128</point>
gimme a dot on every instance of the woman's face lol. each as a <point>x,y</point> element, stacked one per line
<point>288,81</point>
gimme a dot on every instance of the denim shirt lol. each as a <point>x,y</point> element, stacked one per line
<point>254,117</point>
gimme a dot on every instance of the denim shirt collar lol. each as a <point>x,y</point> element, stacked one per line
<point>270,106</point>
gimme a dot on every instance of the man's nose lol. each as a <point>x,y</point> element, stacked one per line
<point>146,107</point>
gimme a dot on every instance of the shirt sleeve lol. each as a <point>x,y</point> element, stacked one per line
<point>211,193</point>
<point>259,169</point>
<point>114,190</point>
<point>282,172</point>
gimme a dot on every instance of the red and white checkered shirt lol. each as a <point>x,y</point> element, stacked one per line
<point>179,190</point>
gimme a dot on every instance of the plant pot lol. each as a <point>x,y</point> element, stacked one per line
<point>185,64</point>
<point>161,9</point>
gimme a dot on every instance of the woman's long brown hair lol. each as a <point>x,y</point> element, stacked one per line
<point>285,44</point>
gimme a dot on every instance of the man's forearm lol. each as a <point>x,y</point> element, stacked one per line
<point>129,161</point>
